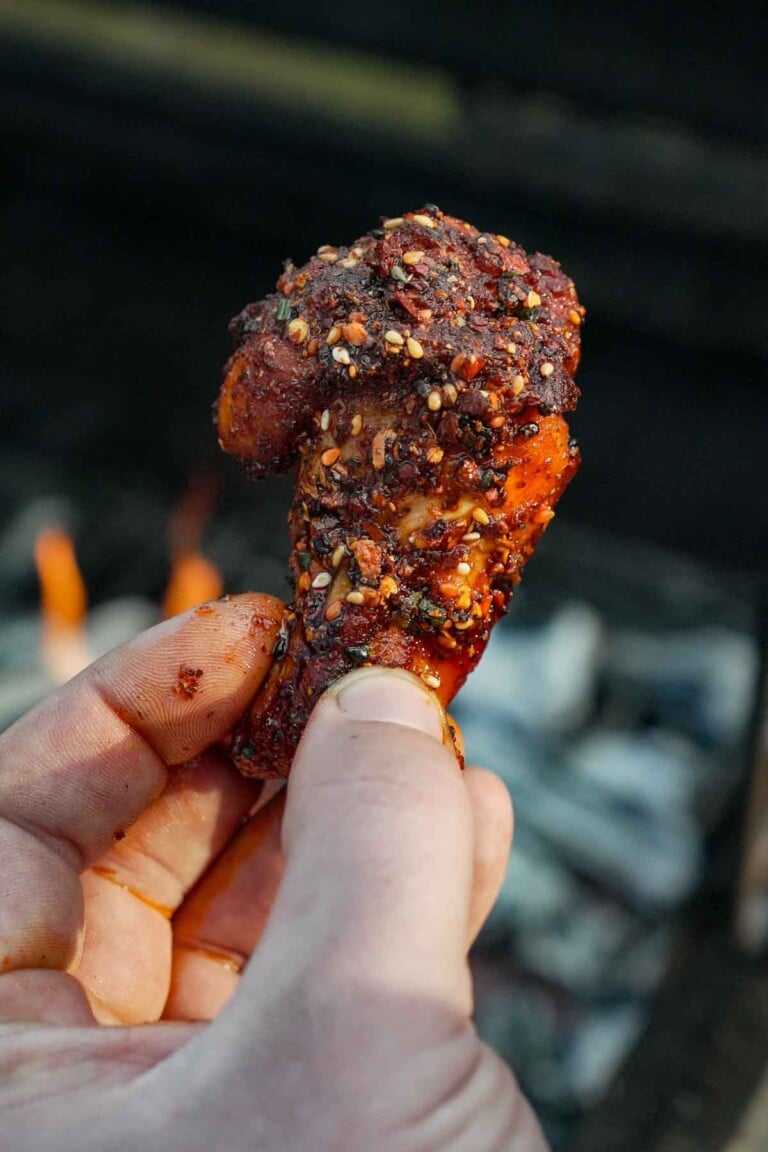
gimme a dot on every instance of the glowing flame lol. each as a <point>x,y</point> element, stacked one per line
<point>193,578</point>
<point>63,603</point>
<point>64,647</point>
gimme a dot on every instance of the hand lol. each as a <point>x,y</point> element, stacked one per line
<point>135,887</point>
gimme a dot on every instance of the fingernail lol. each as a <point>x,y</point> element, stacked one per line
<point>391,696</point>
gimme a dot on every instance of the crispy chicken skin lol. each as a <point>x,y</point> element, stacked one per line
<point>420,378</point>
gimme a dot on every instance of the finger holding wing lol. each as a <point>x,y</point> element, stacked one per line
<point>85,788</point>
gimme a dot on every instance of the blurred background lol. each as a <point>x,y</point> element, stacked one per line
<point>159,162</point>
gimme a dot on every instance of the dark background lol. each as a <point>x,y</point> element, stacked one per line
<point>153,180</point>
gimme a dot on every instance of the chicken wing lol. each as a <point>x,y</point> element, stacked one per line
<point>420,378</point>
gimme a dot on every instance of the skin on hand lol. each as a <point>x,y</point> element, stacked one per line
<point>142,873</point>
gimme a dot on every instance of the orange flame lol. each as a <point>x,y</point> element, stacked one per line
<point>64,603</point>
<point>193,578</point>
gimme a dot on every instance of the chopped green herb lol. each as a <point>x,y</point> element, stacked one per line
<point>427,608</point>
<point>358,654</point>
<point>283,310</point>
<point>305,559</point>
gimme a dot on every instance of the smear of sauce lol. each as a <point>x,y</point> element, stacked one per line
<point>187,681</point>
<point>110,874</point>
<point>229,961</point>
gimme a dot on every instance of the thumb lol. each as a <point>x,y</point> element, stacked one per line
<point>378,836</point>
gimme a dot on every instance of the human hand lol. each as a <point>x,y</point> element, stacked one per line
<point>133,894</point>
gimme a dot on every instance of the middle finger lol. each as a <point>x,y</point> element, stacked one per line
<point>221,922</point>
<point>132,891</point>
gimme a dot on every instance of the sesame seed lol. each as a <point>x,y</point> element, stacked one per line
<point>334,335</point>
<point>322,580</point>
<point>462,625</point>
<point>325,420</point>
<point>481,516</point>
<point>547,369</point>
<point>341,355</point>
<point>518,383</point>
<point>434,454</point>
<point>574,316</point>
<point>425,221</point>
<point>329,257</point>
<point>430,679</point>
<point>394,337</point>
<point>333,610</point>
<point>544,515</point>
<point>354,333</point>
<point>434,401</point>
<point>464,600</point>
<point>463,568</point>
<point>497,422</point>
<point>450,395</point>
<point>503,240</point>
<point>329,457</point>
<point>415,349</point>
<point>352,371</point>
<point>298,330</point>
<point>357,424</point>
<point>470,537</point>
<point>447,641</point>
<point>393,222</point>
<point>511,348</point>
<point>413,257</point>
<point>379,447</point>
<point>355,597</point>
<point>348,262</point>
<point>532,300</point>
<point>338,555</point>
<point>325,248</point>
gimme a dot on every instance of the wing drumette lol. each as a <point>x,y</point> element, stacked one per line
<point>420,377</point>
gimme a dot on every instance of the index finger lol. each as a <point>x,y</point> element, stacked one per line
<point>82,766</point>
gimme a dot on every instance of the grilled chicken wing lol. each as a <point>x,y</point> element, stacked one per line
<point>420,377</point>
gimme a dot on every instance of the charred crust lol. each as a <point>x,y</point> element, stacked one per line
<point>420,377</point>
<point>454,293</point>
